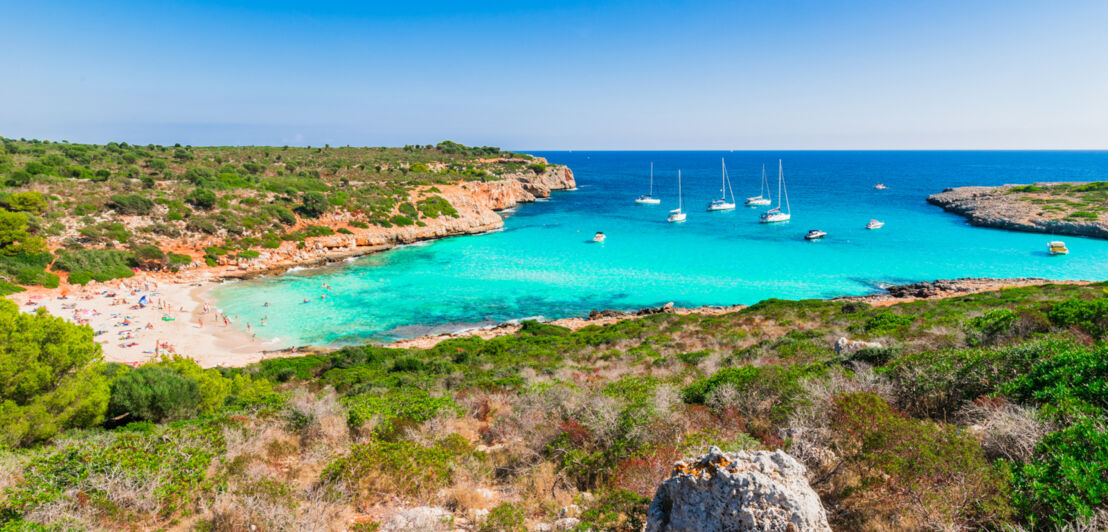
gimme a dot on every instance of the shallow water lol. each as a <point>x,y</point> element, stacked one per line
<point>544,264</point>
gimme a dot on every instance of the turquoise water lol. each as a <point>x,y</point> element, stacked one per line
<point>543,264</point>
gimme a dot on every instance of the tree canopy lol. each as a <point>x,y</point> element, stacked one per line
<point>50,376</point>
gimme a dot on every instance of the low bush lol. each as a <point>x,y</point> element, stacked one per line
<point>435,206</point>
<point>133,204</point>
<point>155,394</point>
<point>95,264</point>
<point>1088,315</point>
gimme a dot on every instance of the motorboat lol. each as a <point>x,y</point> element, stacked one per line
<point>874,224</point>
<point>598,237</point>
<point>815,234</point>
<point>1058,247</point>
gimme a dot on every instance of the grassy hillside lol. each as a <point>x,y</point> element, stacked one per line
<point>150,203</point>
<point>984,411</point>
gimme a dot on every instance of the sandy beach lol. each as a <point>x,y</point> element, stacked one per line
<point>137,319</point>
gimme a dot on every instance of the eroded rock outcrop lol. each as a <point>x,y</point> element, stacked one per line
<point>759,491</point>
<point>999,208</point>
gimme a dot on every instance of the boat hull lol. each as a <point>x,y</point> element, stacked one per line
<point>776,218</point>
<point>721,206</point>
<point>758,202</point>
<point>648,201</point>
<point>678,217</point>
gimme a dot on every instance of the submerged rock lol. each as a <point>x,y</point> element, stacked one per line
<point>759,491</point>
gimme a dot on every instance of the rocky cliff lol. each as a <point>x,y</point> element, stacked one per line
<point>759,491</point>
<point>476,203</point>
<point>1009,207</point>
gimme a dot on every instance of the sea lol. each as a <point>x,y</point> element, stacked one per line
<point>544,264</point>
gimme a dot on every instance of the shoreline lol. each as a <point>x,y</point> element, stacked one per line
<point>133,334</point>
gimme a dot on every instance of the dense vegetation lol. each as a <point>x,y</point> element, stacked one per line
<point>82,199</point>
<point>986,411</point>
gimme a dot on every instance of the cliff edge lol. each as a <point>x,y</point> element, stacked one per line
<point>1055,208</point>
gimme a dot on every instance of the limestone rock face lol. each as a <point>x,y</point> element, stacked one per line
<point>759,491</point>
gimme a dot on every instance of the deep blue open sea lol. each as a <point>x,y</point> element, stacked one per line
<point>543,264</point>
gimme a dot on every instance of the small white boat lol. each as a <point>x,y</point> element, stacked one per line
<point>874,224</point>
<point>722,204</point>
<point>598,237</point>
<point>677,215</point>
<point>880,186</point>
<point>1057,247</point>
<point>762,198</point>
<point>775,214</point>
<point>649,199</point>
<point>815,234</point>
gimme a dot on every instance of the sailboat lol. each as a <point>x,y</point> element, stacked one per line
<point>761,198</point>
<point>775,214</point>
<point>676,215</point>
<point>649,199</point>
<point>724,186</point>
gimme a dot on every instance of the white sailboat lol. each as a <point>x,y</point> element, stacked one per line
<point>724,186</point>
<point>775,215</point>
<point>762,198</point>
<point>649,199</point>
<point>677,215</point>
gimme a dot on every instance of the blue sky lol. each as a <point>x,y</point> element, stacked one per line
<point>572,75</point>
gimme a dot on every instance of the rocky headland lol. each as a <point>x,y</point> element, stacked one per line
<point>1055,208</point>
<point>476,202</point>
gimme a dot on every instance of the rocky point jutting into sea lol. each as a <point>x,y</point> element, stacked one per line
<point>1021,208</point>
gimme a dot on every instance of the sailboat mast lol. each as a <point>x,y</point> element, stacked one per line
<point>787,208</point>
<point>780,176</point>
<point>762,190</point>
<point>651,179</point>
<point>678,190</point>
<point>727,180</point>
<point>722,179</point>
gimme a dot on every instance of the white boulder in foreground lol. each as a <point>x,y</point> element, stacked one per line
<point>763,491</point>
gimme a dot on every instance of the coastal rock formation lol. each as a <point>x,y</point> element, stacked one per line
<point>763,490</point>
<point>476,202</point>
<point>844,346</point>
<point>1003,208</point>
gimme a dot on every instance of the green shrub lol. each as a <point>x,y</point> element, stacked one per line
<point>1065,480</point>
<point>538,168</point>
<point>100,265</point>
<point>150,257</point>
<point>537,328</point>
<point>693,358</point>
<point>359,224</point>
<point>1084,215</point>
<point>179,259</point>
<point>313,205</point>
<point>49,377</point>
<point>133,204</point>
<point>409,210</point>
<point>436,206</point>
<point>504,517</point>
<point>201,198</point>
<point>152,393</point>
<point>1072,378</point>
<point>1089,315</point>
<point>402,468</point>
<point>401,221</point>
<point>887,323</point>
